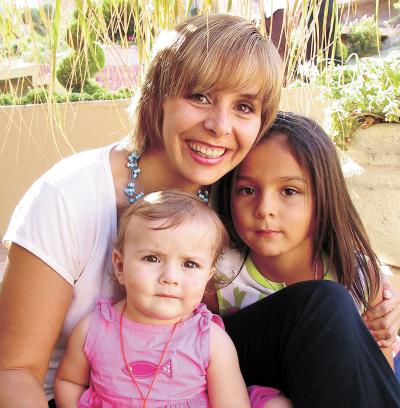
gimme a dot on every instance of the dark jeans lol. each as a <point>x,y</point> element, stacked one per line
<point>309,341</point>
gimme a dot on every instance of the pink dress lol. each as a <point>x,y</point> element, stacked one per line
<point>181,379</point>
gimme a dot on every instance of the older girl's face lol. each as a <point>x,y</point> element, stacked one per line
<point>207,134</point>
<point>272,204</point>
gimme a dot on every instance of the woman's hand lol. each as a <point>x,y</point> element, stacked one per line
<point>383,320</point>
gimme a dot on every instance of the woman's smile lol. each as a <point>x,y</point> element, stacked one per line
<point>207,136</point>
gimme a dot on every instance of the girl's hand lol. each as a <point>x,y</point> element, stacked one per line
<point>383,320</point>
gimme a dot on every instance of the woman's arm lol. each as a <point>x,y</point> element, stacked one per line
<point>387,351</point>
<point>383,320</point>
<point>73,373</point>
<point>226,387</point>
<point>34,300</point>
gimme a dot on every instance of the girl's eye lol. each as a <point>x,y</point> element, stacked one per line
<point>247,191</point>
<point>151,258</point>
<point>289,191</point>
<point>245,108</point>
<point>198,97</point>
<point>191,264</point>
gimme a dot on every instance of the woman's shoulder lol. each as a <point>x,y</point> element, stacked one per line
<point>78,166</point>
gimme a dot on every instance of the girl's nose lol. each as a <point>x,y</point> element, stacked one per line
<point>169,275</point>
<point>218,122</point>
<point>265,207</point>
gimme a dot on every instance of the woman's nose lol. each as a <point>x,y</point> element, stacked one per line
<point>218,122</point>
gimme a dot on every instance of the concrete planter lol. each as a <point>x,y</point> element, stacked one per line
<point>306,101</point>
<point>31,141</point>
<point>376,191</point>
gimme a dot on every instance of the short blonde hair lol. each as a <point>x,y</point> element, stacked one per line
<point>173,207</point>
<point>206,53</point>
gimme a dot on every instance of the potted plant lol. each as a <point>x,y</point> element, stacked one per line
<point>364,118</point>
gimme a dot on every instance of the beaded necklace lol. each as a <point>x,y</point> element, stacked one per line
<point>132,192</point>
<point>129,368</point>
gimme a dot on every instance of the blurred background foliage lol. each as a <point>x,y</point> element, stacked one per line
<point>70,43</point>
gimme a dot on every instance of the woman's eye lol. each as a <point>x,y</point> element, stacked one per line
<point>245,108</point>
<point>289,191</point>
<point>247,191</point>
<point>190,264</point>
<point>198,97</point>
<point>151,258</point>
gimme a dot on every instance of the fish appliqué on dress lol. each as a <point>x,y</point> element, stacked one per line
<point>144,369</point>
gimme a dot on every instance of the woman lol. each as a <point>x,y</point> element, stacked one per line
<point>209,92</point>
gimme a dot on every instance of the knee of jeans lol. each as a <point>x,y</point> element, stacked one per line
<point>333,293</point>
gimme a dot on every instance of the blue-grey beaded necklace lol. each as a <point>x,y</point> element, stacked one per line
<point>131,190</point>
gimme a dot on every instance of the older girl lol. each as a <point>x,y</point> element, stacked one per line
<point>293,221</point>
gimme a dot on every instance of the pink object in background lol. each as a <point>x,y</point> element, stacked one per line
<point>121,68</point>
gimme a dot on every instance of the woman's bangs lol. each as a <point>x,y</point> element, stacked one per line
<point>233,72</point>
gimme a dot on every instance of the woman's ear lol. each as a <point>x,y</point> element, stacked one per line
<point>118,265</point>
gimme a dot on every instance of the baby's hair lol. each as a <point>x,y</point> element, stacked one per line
<point>172,208</point>
<point>205,53</point>
<point>337,228</point>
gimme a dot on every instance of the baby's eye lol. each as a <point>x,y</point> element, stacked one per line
<point>191,264</point>
<point>289,191</point>
<point>151,258</point>
<point>198,97</point>
<point>247,191</point>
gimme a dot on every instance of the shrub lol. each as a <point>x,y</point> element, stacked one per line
<point>119,19</point>
<point>35,95</point>
<point>40,17</point>
<point>361,95</point>
<point>87,57</point>
<point>75,37</point>
<point>341,51</point>
<point>92,92</point>
<point>362,38</point>
<point>6,99</point>
<point>76,69</point>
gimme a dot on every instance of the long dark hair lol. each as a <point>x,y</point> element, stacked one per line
<point>338,230</point>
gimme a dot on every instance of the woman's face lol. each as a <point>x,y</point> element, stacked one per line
<point>207,134</point>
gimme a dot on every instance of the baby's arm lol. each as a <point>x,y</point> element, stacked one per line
<point>73,373</point>
<point>226,387</point>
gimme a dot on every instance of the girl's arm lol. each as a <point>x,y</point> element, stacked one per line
<point>226,387</point>
<point>383,320</point>
<point>34,300</point>
<point>73,373</point>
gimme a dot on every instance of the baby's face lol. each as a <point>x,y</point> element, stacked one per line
<point>165,272</point>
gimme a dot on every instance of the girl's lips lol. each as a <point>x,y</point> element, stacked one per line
<point>267,233</point>
<point>164,295</point>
